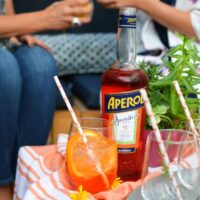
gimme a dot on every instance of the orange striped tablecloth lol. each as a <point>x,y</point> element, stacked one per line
<point>41,175</point>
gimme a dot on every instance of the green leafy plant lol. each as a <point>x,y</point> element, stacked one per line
<point>181,62</point>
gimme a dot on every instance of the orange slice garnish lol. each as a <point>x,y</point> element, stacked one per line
<point>94,162</point>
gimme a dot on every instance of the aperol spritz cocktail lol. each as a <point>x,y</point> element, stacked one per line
<point>92,164</point>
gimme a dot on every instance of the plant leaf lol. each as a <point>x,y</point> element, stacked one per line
<point>160,109</point>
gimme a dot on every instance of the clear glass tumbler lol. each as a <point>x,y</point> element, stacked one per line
<point>92,164</point>
<point>183,151</point>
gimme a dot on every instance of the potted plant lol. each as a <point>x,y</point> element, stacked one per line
<point>180,63</point>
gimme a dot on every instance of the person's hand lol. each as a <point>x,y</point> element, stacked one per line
<point>29,40</point>
<point>60,14</point>
<point>120,3</point>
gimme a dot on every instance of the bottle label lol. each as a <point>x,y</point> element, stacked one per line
<point>125,110</point>
<point>127,21</point>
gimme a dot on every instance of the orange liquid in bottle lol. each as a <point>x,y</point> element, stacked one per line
<point>119,81</point>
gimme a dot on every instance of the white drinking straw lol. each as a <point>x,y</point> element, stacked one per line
<point>185,107</point>
<point>66,100</point>
<point>160,141</point>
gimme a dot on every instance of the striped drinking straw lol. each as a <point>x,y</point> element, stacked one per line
<point>90,152</point>
<point>66,100</point>
<point>185,107</point>
<point>160,141</point>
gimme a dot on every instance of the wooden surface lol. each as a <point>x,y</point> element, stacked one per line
<point>62,121</point>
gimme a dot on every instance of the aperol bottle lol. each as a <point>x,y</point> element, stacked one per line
<point>121,100</point>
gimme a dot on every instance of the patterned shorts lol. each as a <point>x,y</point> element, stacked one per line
<point>82,53</point>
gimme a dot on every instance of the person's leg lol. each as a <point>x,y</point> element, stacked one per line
<point>38,95</point>
<point>10,87</point>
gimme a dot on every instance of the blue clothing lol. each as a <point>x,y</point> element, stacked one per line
<point>27,103</point>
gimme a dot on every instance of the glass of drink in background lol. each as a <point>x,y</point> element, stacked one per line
<point>183,151</point>
<point>88,5</point>
<point>92,164</point>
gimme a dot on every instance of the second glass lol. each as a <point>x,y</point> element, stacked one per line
<point>183,151</point>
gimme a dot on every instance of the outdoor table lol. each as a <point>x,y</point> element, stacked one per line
<point>41,174</point>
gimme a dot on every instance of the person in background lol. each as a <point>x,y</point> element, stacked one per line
<point>89,48</point>
<point>27,88</point>
<point>159,21</point>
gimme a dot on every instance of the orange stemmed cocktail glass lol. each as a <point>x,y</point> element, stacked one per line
<point>92,164</point>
